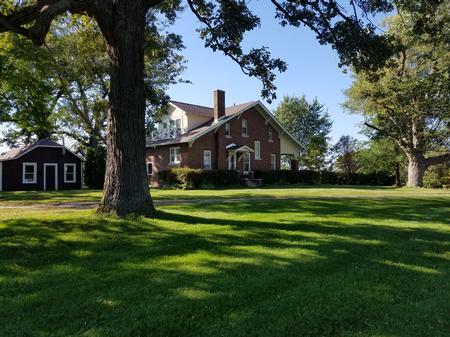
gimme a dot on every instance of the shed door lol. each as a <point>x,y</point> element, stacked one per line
<point>50,178</point>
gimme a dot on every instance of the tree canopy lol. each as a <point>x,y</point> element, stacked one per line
<point>408,99</point>
<point>310,124</point>
<point>67,93</point>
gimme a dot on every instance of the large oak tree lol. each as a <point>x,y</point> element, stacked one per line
<point>408,100</point>
<point>223,25</point>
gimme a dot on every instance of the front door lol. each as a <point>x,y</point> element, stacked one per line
<point>50,177</point>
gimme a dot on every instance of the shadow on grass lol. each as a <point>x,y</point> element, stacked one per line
<point>298,273</point>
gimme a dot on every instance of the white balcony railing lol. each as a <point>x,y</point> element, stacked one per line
<point>167,133</point>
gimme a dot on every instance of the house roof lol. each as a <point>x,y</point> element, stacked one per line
<point>20,151</point>
<point>230,112</point>
<point>205,111</point>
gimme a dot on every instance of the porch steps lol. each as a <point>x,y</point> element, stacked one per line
<point>250,182</point>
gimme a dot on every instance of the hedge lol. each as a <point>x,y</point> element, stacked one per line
<point>324,177</point>
<point>187,178</point>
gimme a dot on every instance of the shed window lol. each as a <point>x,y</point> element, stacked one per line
<point>70,173</point>
<point>29,173</point>
<point>175,155</point>
<point>270,134</point>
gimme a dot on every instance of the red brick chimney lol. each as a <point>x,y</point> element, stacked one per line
<point>219,104</point>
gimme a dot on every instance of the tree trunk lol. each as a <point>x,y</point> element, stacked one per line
<point>126,188</point>
<point>416,170</point>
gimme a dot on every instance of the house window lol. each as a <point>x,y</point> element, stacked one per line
<point>273,161</point>
<point>270,134</point>
<point>175,155</point>
<point>70,173</point>
<point>246,162</point>
<point>227,130</point>
<point>29,173</point>
<point>244,127</point>
<point>149,169</point>
<point>232,161</point>
<point>257,150</point>
<point>207,160</point>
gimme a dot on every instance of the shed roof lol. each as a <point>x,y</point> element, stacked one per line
<point>20,151</point>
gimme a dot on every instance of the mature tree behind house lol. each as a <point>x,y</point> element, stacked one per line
<point>310,124</point>
<point>28,96</point>
<point>224,23</point>
<point>408,101</point>
<point>381,156</point>
<point>72,78</point>
<point>345,154</point>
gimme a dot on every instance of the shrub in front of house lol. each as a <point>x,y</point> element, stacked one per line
<point>187,178</point>
<point>288,177</point>
<point>325,177</point>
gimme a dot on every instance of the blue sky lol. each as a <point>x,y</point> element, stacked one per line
<point>312,69</point>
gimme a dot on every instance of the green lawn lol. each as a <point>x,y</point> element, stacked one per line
<point>334,262</point>
<point>86,195</point>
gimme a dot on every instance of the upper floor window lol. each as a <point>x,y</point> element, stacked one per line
<point>270,134</point>
<point>207,161</point>
<point>175,124</point>
<point>244,127</point>
<point>70,173</point>
<point>257,149</point>
<point>227,130</point>
<point>175,155</point>
<point>29,173</point>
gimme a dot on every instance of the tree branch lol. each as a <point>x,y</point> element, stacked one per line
<point>441,159</point>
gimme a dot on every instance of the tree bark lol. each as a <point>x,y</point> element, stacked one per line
<point>416,169</point>
<point>126,189</point>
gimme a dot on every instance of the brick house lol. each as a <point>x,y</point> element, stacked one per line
<point>43,165</point>
<point>244,137</point>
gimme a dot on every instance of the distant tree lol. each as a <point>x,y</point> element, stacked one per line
<point>380,157</point>
<point>310,124</point>
<point>408,101</point>
<point>345,154</point>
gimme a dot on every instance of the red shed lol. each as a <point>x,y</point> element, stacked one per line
<point>43,165</point>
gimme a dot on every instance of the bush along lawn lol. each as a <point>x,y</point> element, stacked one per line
<point>307,267</point>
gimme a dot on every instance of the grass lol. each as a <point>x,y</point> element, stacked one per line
<point>326,264</point>
<point>307,191</point>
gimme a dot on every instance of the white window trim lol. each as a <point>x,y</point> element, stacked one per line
<point>66,165</point>
<point>170,155</point>
<point>210,160</point>
<point>257,153</point>
<point>34,175</point>
<point>273,161</point>
<point>229,129</point>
